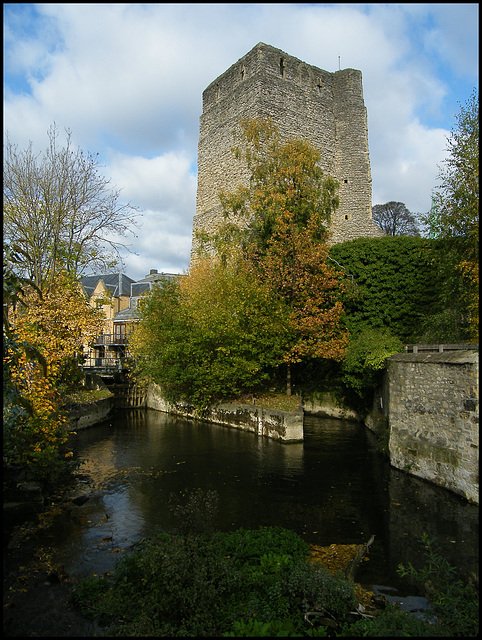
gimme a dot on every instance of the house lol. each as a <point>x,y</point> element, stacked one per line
<point>111,293</point>
<point>117,295</point>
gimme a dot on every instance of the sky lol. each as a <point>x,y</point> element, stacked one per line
<point>127,81</point>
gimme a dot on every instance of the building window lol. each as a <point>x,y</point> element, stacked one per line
<point>217,92</point>
<point>282,67</point>
<point>119,333</point>
<point>345,181</point>
<point>243,72</point>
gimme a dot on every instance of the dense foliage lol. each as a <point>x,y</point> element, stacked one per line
<point>255,583</point>
<point>210,335</point>
<point>396,282</point>
<point>266,298</point>
<point>216,584</point>
<point>44,333</point>
<point>362,369</point>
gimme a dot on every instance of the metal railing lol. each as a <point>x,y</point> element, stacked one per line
<point>440,348</point>
<point>116,363</point>
<point>110,338</point>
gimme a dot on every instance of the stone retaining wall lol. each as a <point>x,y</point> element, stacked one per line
<point>433,416</point>
<point>325,405</point>
<point>86,414</point>
<point>286,426</point>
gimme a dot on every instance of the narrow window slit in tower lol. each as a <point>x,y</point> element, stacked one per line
<point>217,92</point>
<point>243,72</point>
<point>282,67</point>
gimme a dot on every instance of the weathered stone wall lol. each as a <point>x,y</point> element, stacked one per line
<point>304,101</point>
<point>279,425</point>
<point>86,414</point>
<point>325,405</point>
<point>433,418</point>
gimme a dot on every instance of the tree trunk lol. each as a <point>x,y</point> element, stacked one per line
<point>354,564</point>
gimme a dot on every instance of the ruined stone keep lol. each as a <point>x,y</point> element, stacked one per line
<point>326,109</point>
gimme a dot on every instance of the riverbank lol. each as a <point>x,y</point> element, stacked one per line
<point>37,591</point>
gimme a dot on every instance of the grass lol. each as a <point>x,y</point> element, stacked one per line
<point>278,401</point>
<point>82,395</point>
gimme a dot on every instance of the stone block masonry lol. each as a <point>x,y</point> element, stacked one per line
<point>434,418</point>
<point>326,109</point>
<point>285,426</point>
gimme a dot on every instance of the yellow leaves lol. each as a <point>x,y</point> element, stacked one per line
<point>59,322</point>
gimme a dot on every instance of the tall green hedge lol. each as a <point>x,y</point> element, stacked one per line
<point>396,283</point>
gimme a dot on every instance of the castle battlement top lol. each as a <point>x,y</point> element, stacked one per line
<point>265,60</point>
<point>304,101</point>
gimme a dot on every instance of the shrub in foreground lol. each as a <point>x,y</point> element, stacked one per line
<point>207,585</point>
<point>258,583</point>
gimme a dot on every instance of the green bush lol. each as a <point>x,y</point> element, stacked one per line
<point>396,283</point>
<point>258,583</point>
<point>364,364</point>
<point>391,623</point>
<point>455,604</point>
<point>207,585</point>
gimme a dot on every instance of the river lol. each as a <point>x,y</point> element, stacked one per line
<point>332,488</point>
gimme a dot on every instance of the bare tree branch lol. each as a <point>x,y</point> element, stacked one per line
<point>61,210</point>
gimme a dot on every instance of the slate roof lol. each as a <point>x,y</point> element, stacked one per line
<point>146,284</point>
<point>126,315</point>
<point>117,283</point>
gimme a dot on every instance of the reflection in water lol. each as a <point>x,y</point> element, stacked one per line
<point>332,488</point>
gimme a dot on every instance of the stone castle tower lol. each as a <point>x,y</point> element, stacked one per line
<point>326,109</point>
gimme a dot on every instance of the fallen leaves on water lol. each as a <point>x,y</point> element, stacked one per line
<point>336,559</point>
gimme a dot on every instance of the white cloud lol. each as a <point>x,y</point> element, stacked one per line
<point>127,79</point>
<point>163,183</point>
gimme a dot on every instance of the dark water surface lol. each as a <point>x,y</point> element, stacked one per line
<point>332,488</point>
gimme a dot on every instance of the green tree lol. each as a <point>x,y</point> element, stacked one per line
<point>364,364</point>
<point>454,218</point>
<point>284,214</point>
<point>212,335</point>
<point>60,211</point>
<point>455,210</point>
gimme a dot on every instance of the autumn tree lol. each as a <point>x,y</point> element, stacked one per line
<point>265,297</point>
<point>286,210</point>
<point>454,217</point>
<point>212,335</point>
<point>60,211</point>
<point>395,219</point>
<point>60,322</point>
<point>284,177</point>
<point>43,346</point>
